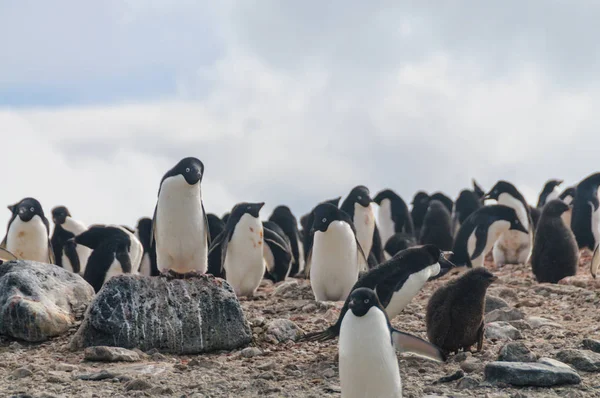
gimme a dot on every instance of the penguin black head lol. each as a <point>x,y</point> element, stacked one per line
<point>478,190</point>
<point>420,199</point>
<point>568,193</point>
<point>503,187</point>
<point>360,195</point>
<point>60,214</point>
<point>191,169</point>
<point>246,208</point>
<point>551,184</point>
<point>144,224</point>
<point>325,214</point>
<point>439,256</point>
<point>26,209</point>
<point>225,217</point>
<point>282,211</point>
<point>445,200</point>
<point>435,204</point>
<point>555,208</point>
<point>361,300</point>
<point>385,194</point>
<point>509,214</point>
<point>479,277</point>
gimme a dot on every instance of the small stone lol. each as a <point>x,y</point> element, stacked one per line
<point>269,365</point>
<point>516,352</point>
<point>162,391</point>
<point>21,373</point>
<point>250,352</point>
<point>267,376</point>
<point>504,315</point>
<point>158,357</point>
<point>102,375</point>
<point>591,344</point>
<point>65,367</point>
<point>507,293</point>
<point>283,330</point>
<point>472,365</point>
<point>502,331</point>
<point>447,379</point>
<point>329,373</point>
<point>493,303</point>
<point>585,360</point>
<point>461,356</point>
<point>309,308</point>
<point>521,324</point>
<point>110,354</point>
<point>257,330</point>
<point>285,288</point>
<point>137,385</point>
<point>180,366</point>
<point>467,382</point>
<point>529,374</point>
<point>537,322</point>
<point>258,321</point>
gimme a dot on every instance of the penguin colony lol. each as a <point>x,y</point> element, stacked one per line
<point>373,253</point>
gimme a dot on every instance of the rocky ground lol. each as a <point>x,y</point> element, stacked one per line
<point>548,320</point>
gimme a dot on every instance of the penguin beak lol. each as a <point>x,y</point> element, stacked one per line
<point>351,304</point>
<point>493,279</point>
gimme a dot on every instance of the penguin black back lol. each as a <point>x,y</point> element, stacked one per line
<point>310,219</point>
<point>585,204</point>
<point>279,252</point>
<point>398,242</point>
<point>399,211</point>
<point>285,219</point>
<point>144,233</point>
<point>466,204</point>
<point>216,227</point>
<point>419,203</point>
<point>60,235</point>
<point>437,226</point>
<point>448,203</point>
<point>546,191</point>
<point>555,252</point>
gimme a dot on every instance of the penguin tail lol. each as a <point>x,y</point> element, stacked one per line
<point>325,335</point>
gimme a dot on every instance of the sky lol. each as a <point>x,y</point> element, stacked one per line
<point>291,102</point>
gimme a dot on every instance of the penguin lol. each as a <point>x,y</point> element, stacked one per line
<point>585,218</point>
<point>393,215</point>
<point>367,349</point>
<point>454,315</point>
<point>225,217</point>
<point>437,226</point>
<point>143,232</point>
<point>336,256</point>
<point>419,208</point>
<point>277,252</point>
<point>215,226</point>
<point>241,246</point>
<point>550,191</point>
<point>285,219</point>
<point>446,201</point>
<point>67,254</point>
<point>398,242</point>
<point>478,190</point>
<point>180,226</point>
<point>555,252</point>
<point>307,226</point>
<point>513,247</point>
<point>567,196</point>
<point>536,213</point>
<point>467,203</point>
<point>480,231</point>
<point>396,282</point>
<point>115,251</point>
<point>28,231</point>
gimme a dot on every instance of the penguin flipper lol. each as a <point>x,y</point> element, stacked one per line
<point>405,342</point>
<point>595,261</point>
<point>93,236</point>
<point>153,231</point>
<point>3,244</point>
<point>70,249</point>
<point>273,237</point>
<point>6,255</point>
<point>480,241</point>
<point>387,288</point>
<point>51,257</point>
<point>206,225</point>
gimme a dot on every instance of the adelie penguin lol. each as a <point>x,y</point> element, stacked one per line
<point>277,252</point>
<point>444,199</point>
<point>514,246</point>
<point>468,202</point>
<point>241,246</point>
<point>67,253</point>
<point>307,227</point>
<point>393,215</point>
<point>180,227</point>
<point>115,251</point>
<point>358,206</point>
<point>398,242</point>
<point>336,257</point>
<point>27,234</point>
<point>585,221</point>
<point>550,192</point>
<point>567,196</point>
<point>396,282</point>
<point>437,226</point>
<point>215,226</point>
<point>285,219</point>
<point>367,349</point>
<point>480,231</point>
<point>555,253</point>
<point>143,232</point>
<point>419,208</point>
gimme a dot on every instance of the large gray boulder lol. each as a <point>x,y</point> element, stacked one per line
<point>179,316</point>
<point>39,301</point>
<point>529,374</point>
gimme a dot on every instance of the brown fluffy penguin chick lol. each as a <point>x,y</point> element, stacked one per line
<point>555,252</point>
<point>455,311</point>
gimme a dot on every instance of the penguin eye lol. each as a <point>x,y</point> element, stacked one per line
<point>324,220</point>
<point>32,209</point>
<point>187,170</point>
<point>366,301</point>
<point>249,207</point>
<point>359,197</point>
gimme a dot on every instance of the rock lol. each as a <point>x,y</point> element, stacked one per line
<point>585,360</point>
<point>283,330</point>
<point>529,374</point>
<point>504,315</point>
<point>467,383</point>
<point>329,373</point>
<point>472,365</point>
<point>516,352</point>
<point>102,375</point>
<point>521,324</point>
<point>180,316</point>
<point>285,288</point>
<point>21,373</point>
<point>554,362</point>
<point>250,352</point>
<point>537,322</point>
<point>137,385</point>
<point>459,374</point>
<point>493,303</point>
<point>590,344</point>
<point>39,301</point>
<point>309,308</point>
<point>269,365</point>
<point>110,354</point>
<point>461,356</point>
<point>502,331</point>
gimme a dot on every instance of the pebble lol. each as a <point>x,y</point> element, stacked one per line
<point>537,322</point>
<point>502,331</point>
<point>309,308</point>
<point>329,373</point>
<point>102,375</point>
<point>461,356</point>
<point>269,365</point>
<point>529,374</point>
<point>585,360</point>
<point>467,382</point>
<point>591,344</point>
<point>158,357</point>
<point>472,365</point>
<point>516,352</point>
<point>447,379</point>
<point>504,315</point>
<point>21,373</point>
<point>493,303</point>
<point>65,367</point>
<point>283,330</point>
<point>137,385</point>
<point>110,354</point>
<point>251,352</point>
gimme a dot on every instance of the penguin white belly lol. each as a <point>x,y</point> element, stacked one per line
<point>412,286</point>
<point>386,256</point>
<point>136,252</point>
<point>555,194</point>
<point>566,217</point>
<point>364,222</point>
<point>367,359</point>
<point>115,269</point>
<point>74,226</point>
<point>269,258</point>
<point>334,262</point>
<point>301,260</point>
<point>471,243</point>
<point>496,231</point>
<point>385,223</point>
<point>181,242</point>
<point>83,252</point>
<point>145,268</point>
<point>513,247</point>
<point>244,260</point>
<point>28,240</point>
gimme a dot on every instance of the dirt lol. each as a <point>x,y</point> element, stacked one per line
<point>310,369</point>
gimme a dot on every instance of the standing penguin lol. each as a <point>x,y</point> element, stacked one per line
<point>555,252</point>
<point>437,226</point>
<point>215,226</point>
<point>567,196</point>
<point>466,204</point>
<point>419,208</point>
<point>27,235</point>
<point>335,259</point>
<point>585,219</point>
<point>180,227</point>
<point>480,231</point>
<point>143,232</point>
<point>309,220</point>
<point>454,315</point>
<point>277,252</point>
<point>393,215</point>
<point>550,192</point>
<point>358,206</point>
<point>446,201</point>
<point>398,242</point>
<point>115,251</point>
<point>241,246</point>
<point>67,253</point>
<point>283,216</point>
<point>367,349</point>
<point>513,247</point>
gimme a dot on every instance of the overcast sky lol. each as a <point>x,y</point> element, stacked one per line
<point>292,102</point>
